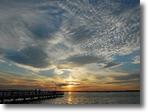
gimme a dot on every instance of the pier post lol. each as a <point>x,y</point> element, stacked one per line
<point>2,101</point>
<point>24,99</point>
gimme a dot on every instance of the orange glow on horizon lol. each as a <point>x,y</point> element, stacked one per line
<point>69,86</point>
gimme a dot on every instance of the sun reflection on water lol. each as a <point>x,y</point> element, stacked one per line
<point>69,98</point>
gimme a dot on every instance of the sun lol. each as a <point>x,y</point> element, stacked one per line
<point>69,86</point>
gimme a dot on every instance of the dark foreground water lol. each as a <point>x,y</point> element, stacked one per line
<point>93,98</point>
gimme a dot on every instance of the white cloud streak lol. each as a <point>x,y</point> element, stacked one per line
<point>136,60</point>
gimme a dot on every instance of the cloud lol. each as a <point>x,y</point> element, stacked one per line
<point>58,71</point>
<point>2,61</point>
<point>131,81</point>
<point>72,82</point>
<point>30,80</point>
<point>2,52</point>
<point>21,87</point>
<point>85,79</point>
<point>111,31</point>
<point>66,84</point>
<point>136,60</point>
<point>81,60</point>
<point>80,34</point>
<point>127,77</point>
<point>42,31</point>
<point>29,26</point>
<point>32,56</point>
<point>111,64</point>
<point>93,32</point>
<point>62,84</point>
<point>4,80</point>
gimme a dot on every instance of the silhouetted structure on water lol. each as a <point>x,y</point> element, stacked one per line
<point>24,95</point>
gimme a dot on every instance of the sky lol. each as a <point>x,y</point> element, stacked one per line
<point>70,45</point>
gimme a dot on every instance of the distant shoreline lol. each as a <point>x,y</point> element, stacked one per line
<point>107,91</point>
<point>77,91</point>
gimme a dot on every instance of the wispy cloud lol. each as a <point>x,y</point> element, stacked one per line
<point>66,84</point>
<point>127,77</point>
<point>136,60</point>
<point>121,82</point>
<point>111,64</point>
<point>85,60</point>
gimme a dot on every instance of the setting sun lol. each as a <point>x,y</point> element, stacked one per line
<point>70,86</point>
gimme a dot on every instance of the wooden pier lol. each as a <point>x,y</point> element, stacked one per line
<point>20,95</point>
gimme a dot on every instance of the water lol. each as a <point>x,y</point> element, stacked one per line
<point>93,98</point>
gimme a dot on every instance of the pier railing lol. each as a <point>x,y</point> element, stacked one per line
<point>29,95</point>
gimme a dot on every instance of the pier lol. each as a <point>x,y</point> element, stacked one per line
<point>27,95</point>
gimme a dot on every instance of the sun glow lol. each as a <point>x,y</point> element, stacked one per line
<point>70,86</point>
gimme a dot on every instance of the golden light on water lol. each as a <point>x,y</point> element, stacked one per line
<point>69,98</point>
